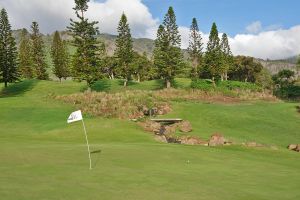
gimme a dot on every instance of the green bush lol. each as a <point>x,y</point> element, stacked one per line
<point>289,92</point>
<point>207,85</point>
<point>237,85</point>
<point>201,84</point>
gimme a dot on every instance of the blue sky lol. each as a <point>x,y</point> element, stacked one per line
<point>231,16</point>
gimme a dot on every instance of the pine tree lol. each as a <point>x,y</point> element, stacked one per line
<point>8,51</point>
<point>142,67</point>
<point>213,56</point>
<point>124,50</point>
<point>227,57</point>
<point>38,56</point>
<point>298,65</point>
<point>195,48</point>
<point>60,57</point>
<point>167,53</point>
<point>25,63</point>
<point>85,62</point>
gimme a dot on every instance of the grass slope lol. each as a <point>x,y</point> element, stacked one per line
<point>44,158</point>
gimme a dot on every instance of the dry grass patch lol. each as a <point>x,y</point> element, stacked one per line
<point>133,104</point>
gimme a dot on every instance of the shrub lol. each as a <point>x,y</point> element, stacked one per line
<point>237,85</point>
<point>202,84</point>
<point>289,92</point>
<point>224,86</point>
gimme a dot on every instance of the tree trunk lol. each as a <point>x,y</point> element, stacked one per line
<point>222,77</point>
<point>125,83</point>
<point>213,81</point>
<point>168,83</point>
<point>112,76</point>
<point>5,84</point>
<point>139,78</point>
<point>226,76</point>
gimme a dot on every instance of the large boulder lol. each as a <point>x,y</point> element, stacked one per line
<point>216,140</point>
<point>150,126</point>
<point>185,127</point>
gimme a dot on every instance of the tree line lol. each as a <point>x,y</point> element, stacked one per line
<point>90,62</point>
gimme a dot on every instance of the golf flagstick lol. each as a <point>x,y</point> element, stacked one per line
<point>87,143</point>
<point>77,116</point>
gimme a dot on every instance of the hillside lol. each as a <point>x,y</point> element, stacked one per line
<point>274,66</point>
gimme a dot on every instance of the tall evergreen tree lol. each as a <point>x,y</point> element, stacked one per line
<point>213,56</point>
<point>25,63</point>
<point>8,51</point>
<point>38,55</point>
<point>195,47</point>
<point>227,57</point>
<point>167,53</point>
<point>85,62</point>
<point>60,57</point>
<point>124,50</point>
<point>298,65</point>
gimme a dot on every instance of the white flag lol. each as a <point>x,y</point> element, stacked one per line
<point>75,116</point>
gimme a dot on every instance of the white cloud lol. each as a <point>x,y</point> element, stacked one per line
<point>54,15</point>
<point>254,28</point>
<point>275,44</point>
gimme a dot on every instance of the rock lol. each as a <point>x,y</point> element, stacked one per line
<point>170,130</point>
<point>150,126</point>
<point>160,138</point>
<point>293,147</point>
<point>172,139</point>
<point>163,109</point>
<point>216,140</point>
<point>185,127</point>
<point>190,140</point>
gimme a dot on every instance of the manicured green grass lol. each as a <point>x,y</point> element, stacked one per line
<point>42,157</point>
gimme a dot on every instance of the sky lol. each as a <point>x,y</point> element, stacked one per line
<point>259,28</point>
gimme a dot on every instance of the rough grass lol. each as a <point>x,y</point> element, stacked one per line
<point>44,158</point>
<point>124,105</point>
<point>129,104</point>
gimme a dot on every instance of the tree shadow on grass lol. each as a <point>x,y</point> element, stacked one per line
<point>102,86</point>
<point>18,89</point>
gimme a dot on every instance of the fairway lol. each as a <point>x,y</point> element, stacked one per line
<point>42,157</point>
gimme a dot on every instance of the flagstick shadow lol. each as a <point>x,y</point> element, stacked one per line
<point>97,152</point>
